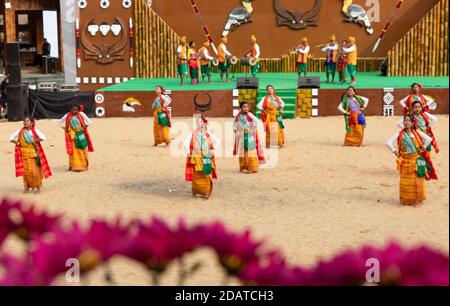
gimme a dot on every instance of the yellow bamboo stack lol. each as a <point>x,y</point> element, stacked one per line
<point>423,51</point>
<point>155,43</point>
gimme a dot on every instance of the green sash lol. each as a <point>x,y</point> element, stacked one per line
<point>162,119</point>
<point>280,121</point>
<point>80,140</point>
<point>249,141</point>
<point>207,164</point>
<point>422,167</point>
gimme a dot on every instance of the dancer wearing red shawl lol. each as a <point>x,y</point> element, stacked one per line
<point>428,104</point>
<point>201,166</point>
<point>271,107</point>
<point>413,162</point>
<point>31,162</point>
<point>78,140</point>
<point>161,117</point>
<point>424,122</point>
<point>247,144</point>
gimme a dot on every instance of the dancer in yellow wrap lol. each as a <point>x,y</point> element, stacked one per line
<point>201,166</point>
<point>247,144</point>
<point>78,142</point>
<point>30,160</point>
<point>413,163</point>
<point>271,107</point>
<point>161,117</point>
<point>353,107</point>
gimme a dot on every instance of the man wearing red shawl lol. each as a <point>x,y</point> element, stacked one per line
<point>201,166</point>
<point>78,141</point>
<point>247,144</point>
<point>428,104</point>
<point>31,162</point>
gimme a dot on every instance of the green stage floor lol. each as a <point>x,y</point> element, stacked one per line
<point>282,81</point>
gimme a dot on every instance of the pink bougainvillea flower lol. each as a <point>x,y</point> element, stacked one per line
<point>110,239</point>
<point>156,244</point>
<point>25,221</point>
<point>52,253</point>
<point>16,272</point>
<point>272,270</point>
<point>235,251</point>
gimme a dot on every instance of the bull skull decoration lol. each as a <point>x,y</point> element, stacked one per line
<point>202,107</point>
<point>106,53</point>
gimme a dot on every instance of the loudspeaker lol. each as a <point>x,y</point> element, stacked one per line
<point>13,52</point>
<point>309,82</point>
<point>15,74</point>
<point>247,83</point>
<point>48,65</point>
<point>17,97</point>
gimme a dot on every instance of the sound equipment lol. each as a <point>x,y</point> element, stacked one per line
<point>47,86</point>
<point>17,96</point>
<point>69,88</point>
<point>247,83</point>
<point>309,82</point>
<point>13,53</point>
<point>48,65</point>
<point>15,74</point>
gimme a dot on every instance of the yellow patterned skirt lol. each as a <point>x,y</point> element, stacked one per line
<point>355,137</point>
<point>33,174</point>
<point>160,133</point>
<point>201,184</point>
<point>79,160</point>
<point>413,189</point>
<point>249,161</point>
<point>274,130</point>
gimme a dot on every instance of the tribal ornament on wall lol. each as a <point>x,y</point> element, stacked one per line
<point>238,16</point>
<point>297,20</point>
<point>357,14</point>
<point>104,53</point>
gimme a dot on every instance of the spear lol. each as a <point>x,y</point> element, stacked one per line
<point>397,8</point>
<point>205,28</point>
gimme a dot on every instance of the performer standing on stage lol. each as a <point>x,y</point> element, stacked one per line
<point>410,147</point>
<point>428,104</point>
<point>352,53</point>
<point>223,57</point>
<point>201,164</point>
<point>423,121</point>
<point>342,63</point>
<point>78,142</point>
<point>182,53</point>
<point>247,144</point>
<point>31,162</point>
<point>194,63</point>
<point>161,117</point>
<point>205,61</point>
<point>254,54</point>
<point>353,107</point>
<point>271,107</point>
<point>331,50</point>
<point>302,57</point>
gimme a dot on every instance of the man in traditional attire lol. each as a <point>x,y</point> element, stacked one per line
<point>331,50</point>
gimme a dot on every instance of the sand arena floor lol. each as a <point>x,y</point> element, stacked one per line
<point>320,199</point>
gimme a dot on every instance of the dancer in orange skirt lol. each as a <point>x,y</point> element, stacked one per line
<point>31,162</point>
<point>413,162</point>
<point>271,107</point>
<point>247,144</point>
<point>161,117</point>
<point>78,141</point>
<point>201,166</point>
<point>353,107</point>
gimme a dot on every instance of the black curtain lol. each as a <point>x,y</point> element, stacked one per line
<point>54,105</point>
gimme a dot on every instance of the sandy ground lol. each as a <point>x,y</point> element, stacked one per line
<point>320,199</point>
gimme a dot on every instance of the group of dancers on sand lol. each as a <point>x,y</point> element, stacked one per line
<point>341,58</point>
<point>412,144</point>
